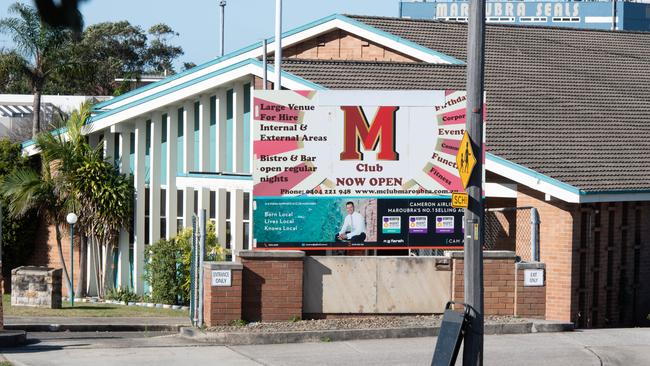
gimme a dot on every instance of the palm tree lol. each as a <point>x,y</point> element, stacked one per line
<point>40,47</point>
<point>51,192</point>
<point>25,189</point>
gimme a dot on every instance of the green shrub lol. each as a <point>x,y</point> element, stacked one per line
<point>122,294</point>
<point>168,262</point>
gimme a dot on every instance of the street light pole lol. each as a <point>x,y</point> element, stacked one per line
<point>474,224</point>
<point>278,44</point>
<point>71,219</point>
<point>222,4</point>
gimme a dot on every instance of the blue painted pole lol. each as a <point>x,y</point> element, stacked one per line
<point>72,265</point>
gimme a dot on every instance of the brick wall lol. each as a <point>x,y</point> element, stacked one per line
<point>341,45</point>
<point>272,285</point>
<point>498,281</point>
<point>559,226</point>
<point>530,301</point>
<point>222,304</point>
<point>46,254</point>
<point>503,285</point>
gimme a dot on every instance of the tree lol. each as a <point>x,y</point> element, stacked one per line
<point>106,51</point>
<point>17,233</point>
<point>12,78</point>
<point>160,53</point>
<point>105,198</point>
<point>41,48</point>
<point>26,190</point>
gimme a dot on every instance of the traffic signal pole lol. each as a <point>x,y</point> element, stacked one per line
<point>474,224</point>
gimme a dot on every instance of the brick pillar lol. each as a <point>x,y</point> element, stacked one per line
<point>498,281</point>
<point>272,284</point>
<point>222,304</point>
<point>530,301</point>
<point>559,235</point>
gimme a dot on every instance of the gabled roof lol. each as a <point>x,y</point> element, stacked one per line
<point>573,105</point>
<point>289,38</point>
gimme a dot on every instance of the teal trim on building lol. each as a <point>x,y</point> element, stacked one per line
<point>216,176</point>
<point>392,37</point>
<point>132,153</point>
<point>116,150</point>
<point>180,151</point>
<point>246,147</point>
<point>163,150</point>
<point>291,32</point>
<point>213,135</point>
<point>229,132</point>
<point>197,136</point>
<point>147,158</point>
<point>534,174</point>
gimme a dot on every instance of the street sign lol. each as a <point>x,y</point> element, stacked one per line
<point>459,200</point>
<point>465,159</point>
<point>533,277</point>
<point>222,278</point>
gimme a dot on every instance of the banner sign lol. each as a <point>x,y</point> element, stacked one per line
<point>357,169</point>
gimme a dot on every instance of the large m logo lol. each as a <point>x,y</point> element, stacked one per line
<point>357,130</point>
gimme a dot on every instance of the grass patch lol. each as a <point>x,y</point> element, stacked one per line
<point>82,309</point>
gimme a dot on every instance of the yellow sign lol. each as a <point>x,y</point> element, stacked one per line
<point>465,160</point>
<point>459,200</point>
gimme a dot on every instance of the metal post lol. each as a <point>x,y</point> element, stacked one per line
<point>534,237</point>
<point>613,15</point>
<point>201,253</point>
<point>72,265</point>
<point>192,274</point>
<point>474,214</point>
<point>264,63</point>
<point>222,4</point>
<point>278,44</point>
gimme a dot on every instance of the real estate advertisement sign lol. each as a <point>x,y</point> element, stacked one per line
<point>357,169</point>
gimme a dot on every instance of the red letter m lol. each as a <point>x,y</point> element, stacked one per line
<point>356,131</point>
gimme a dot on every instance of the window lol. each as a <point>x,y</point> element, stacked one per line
<point>146,215</point>
<point>228,220</point>
<point>163,217</point>
<point>179,211</point>
<point>246,220</point>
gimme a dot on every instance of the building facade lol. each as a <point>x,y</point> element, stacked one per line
<point>598,14</point>
<point>567,133</point>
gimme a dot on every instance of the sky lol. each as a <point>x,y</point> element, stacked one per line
<point>197,21</point>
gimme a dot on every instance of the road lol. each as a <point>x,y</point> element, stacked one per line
<point>588,347</point>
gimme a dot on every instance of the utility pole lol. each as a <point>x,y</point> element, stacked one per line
<point>474,224</point>
<point>222,4</point>
<point>278,44</point>
<point>613,15</point>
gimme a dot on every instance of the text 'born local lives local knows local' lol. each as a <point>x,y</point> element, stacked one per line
<point>357,169</point>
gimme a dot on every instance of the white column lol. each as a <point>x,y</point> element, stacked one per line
<point>138,180</point>
<point>154,177</point>
<point>221,105</point>
<point>238,124</point>
<point>188,136</point>
<point>250,144</point>
<point>123,270</point>
<point>237,226</point>
<point>221,217</point>
<point>204,202</point>
<point>204,133</point>
<point>172,135</point>
<point>188,206</point>
<point>91,280</point>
